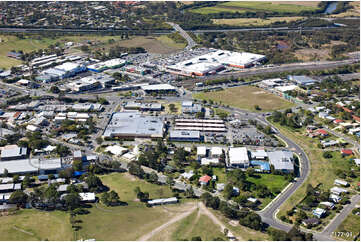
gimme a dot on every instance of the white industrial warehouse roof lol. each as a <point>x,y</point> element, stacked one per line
<point>238,155</point>
<point>158,87</point>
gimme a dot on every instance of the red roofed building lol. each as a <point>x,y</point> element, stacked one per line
<point>322,132</point>
<point>204,179</point>
<point>337,121</point>
<point>346,152</point>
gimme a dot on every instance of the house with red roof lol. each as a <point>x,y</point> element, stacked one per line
<point>322,132</point>
<point>337,121</point>
<point>346,152</point>
<point>204,180</point>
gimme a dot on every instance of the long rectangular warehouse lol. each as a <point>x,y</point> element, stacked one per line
<point>213,121</point>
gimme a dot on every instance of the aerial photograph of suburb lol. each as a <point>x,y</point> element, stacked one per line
<point>179,120</point>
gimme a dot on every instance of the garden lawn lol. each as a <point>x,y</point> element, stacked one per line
<point>269,180</point>
<point>220,173</point>
<point>246,97</point>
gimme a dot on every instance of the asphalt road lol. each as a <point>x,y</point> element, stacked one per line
<point>161,31</point>
<point>342,215</point>
<point>191,42</point>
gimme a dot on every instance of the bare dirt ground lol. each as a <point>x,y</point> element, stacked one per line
<point>180,214</point>
<point>165,225</point>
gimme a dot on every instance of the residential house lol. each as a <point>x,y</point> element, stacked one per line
<point>204,180</point>
<point>319,212</point>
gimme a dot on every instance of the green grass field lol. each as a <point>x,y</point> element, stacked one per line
<point>124,184</point>
<point>121,223</point>
<point>245,97</point>
<point>350,224</point>
<point>243,6</point>
<point>9,43</point>
<point>36,225</point>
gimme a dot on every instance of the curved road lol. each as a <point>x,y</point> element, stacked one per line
<point>268,214</point>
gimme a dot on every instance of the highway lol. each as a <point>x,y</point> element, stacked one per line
<point>159,31</point>
<point>185,35</point>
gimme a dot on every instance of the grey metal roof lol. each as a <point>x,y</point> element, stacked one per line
<point>302,80</point>
<point>30,165</point>
<point>134,124</point>
<point>14,152</point>
<point>281,160</point>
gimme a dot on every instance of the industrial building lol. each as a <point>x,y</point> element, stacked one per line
<point>84,84</point>
<point>238,157</point>
<point>215,61</point>
<point>184,135</point>
<point>301,80</point>
<point>34,165</point>
<point>143,106</point>
<point>65,70</point>
<point>281,160</point>
<point>134,124</point>
<point>14,153</point>
<point>190,107</point>
<point>158,88</point>
<point>109,64</point>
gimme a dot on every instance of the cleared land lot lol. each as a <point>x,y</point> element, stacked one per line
<point>284,7</point>
<point>124,184</point>
<point>35,42</point>
<point>157,45</point>
<point>9,43</point>
<point>350,225</point>
<point>36,225</point>
<point>245,97</point>
<point>255,21</point>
